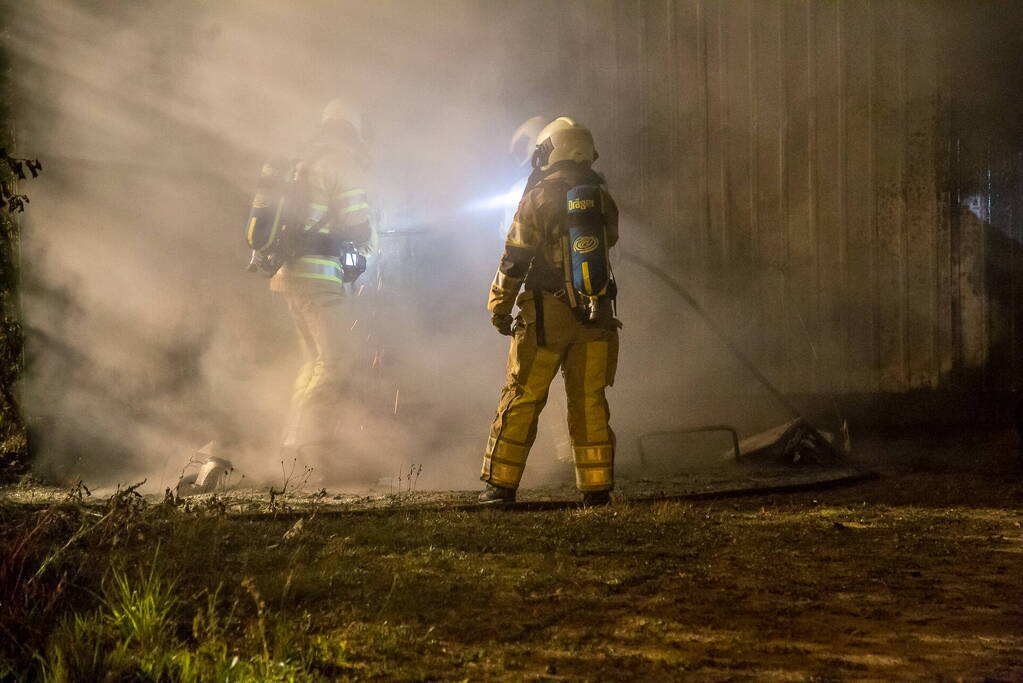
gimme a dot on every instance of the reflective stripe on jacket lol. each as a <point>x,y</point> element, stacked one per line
<point>338,206</point>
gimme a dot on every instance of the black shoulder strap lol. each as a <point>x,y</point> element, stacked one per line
<point>541,332</point>
<point>536,176</point>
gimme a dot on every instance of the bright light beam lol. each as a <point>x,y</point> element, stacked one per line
<point>504,200</point>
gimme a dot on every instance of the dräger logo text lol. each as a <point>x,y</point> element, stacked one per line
<point>579,204</point>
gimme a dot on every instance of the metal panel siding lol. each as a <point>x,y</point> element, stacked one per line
<point>922,224</point>
<point>827,178</point>
<point>800,268</point>
<point>824,244</point>
<point>889,158</point>
<point>800,162</point>
<point>768,132</point>
<point>858,107</point>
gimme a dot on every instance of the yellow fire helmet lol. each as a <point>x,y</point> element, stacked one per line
<point>564,139</point>
<point>340,110</point>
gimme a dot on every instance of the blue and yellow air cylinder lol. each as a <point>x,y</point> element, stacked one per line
<point>591,271</point>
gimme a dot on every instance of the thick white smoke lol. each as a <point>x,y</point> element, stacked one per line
<point>148,338</point>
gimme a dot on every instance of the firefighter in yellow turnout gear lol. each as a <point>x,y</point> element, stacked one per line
<point>555,329</point>
<point>332,174</point>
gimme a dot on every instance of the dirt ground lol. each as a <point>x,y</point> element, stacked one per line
<point>914,575</point>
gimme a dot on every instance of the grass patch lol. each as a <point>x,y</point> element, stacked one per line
<point>851,583</point>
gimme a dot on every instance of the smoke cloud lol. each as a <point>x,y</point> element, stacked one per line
<point>148,338</point>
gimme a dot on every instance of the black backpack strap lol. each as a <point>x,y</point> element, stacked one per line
<point>541,333</point>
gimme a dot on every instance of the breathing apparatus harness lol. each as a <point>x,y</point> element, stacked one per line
<point>586,277</point>
<point>276,229</point>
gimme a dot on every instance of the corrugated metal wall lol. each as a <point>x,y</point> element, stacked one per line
<point>797,159</point>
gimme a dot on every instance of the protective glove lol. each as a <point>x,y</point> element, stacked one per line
<point>503,323</point>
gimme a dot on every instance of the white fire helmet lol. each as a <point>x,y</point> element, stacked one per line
<point>563,139</point>
<point>339,110</point>
<point>523,140</point>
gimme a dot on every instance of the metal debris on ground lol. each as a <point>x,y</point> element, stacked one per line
<point>793,443</point>
<point>212,474</point>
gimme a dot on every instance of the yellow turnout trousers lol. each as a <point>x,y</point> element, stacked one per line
<point>316,399</point>
<point>587,355</point>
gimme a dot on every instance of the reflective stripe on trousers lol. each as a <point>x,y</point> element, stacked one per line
<point>587,357</point>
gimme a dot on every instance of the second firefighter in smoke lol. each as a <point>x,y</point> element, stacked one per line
<point>556,252</point>
<point>310,226</point>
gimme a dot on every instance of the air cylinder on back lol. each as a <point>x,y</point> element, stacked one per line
<point>274,207</point>
<point>269,215</point>
<point>266,217</point>
<point>587,235</point>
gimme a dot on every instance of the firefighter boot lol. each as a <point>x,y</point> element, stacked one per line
<point>596,498</point>
<point>496,495</point>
